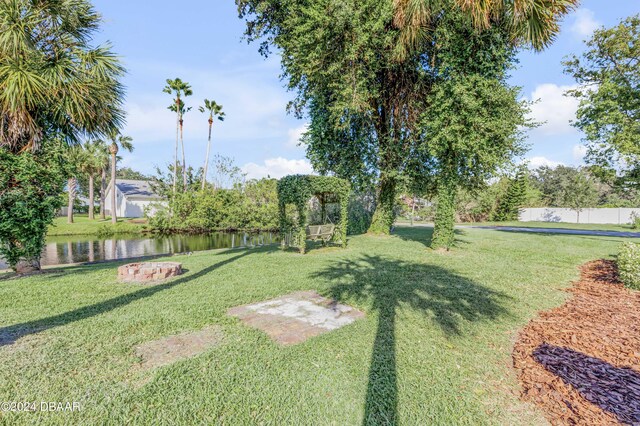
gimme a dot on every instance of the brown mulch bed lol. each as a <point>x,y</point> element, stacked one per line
<point>580,363</point>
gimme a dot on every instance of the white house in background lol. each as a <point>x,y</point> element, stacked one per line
<point>133,197</point>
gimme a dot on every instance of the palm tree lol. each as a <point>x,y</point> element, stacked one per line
<point>97,157</point>
<point>214,110</point>
<point>54,85</point>
<point>76,158</point>
<point>53,81</point>
<point>103,158</point>
<point>125,143</point>
<point>178,88</point>
<point>533,22</point>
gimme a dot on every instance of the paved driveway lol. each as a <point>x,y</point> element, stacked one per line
<point>560,231</point>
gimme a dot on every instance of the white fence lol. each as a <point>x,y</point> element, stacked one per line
<point>618,216</point>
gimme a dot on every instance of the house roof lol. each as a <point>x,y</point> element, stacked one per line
<point>137,189</point>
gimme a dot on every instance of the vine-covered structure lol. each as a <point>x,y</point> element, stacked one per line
<point>298,190</point>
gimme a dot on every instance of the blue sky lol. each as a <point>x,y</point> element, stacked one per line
<point>201,42</point>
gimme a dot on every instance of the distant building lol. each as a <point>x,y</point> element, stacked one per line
<point>133,197</point>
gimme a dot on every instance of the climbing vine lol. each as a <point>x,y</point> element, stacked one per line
<point>298,190</point>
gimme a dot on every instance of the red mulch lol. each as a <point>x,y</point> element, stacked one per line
<point>580,363</point>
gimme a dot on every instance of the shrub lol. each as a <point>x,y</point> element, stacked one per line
<point>109,229</point>
<point>629,265</point>
<point>635,221</point>
<point>30,188</point>
<point>361,208</point>
<point>253,205</point>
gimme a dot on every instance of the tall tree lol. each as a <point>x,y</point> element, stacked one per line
<point>532,22</point>
<point>179,89</point>
<point>582,193</point>
<point>214,110</point>
<point>103,157</point>
<point>364,82</point>
<point>472,130</point>
<point>76,158</point>
<point>565,186</point>
<point>91,167</point>
<point>363,104</point>
<point>117,140</point>
<point>54,85</point>
<point>515,196</point>
<point>608,74</point>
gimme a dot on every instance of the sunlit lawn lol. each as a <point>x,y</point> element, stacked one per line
<point>83,226</point>
<point>434,348</point>
<point>550,225</point>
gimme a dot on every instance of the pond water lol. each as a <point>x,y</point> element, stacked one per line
<point>76,249</point>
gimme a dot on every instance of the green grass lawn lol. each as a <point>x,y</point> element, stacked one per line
<point>434,347</point>
<point>83,226</point>
<point>585,226</point>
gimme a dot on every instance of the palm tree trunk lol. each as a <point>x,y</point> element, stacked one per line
<point>103,192</point>
<point>91,198</point>
<point>184,163</point>
<point>71,183</point>
<point>206,160</point>
<point>114,217</point>
<point>175,157</point>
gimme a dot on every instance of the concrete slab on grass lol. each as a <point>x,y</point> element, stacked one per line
<point>295,317</point>
<point>170,349</point>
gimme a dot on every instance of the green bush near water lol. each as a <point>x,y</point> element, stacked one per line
<point>253,205</point>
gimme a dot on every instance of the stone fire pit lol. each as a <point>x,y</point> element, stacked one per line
<point>149,271</point>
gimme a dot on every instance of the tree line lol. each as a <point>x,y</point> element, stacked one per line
<point>414,93</point>
<point>562,186</point>
<point>401,95</point>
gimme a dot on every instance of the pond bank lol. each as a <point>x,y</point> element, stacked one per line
<point>75,249</point>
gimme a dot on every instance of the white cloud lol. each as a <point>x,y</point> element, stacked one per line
<point>535,162</point>
<point>554,109</point>
<point>277,168</point>
<point>294,135</point>
<point>579,151</point>
<point>147,122</point>
<point>584,24</point>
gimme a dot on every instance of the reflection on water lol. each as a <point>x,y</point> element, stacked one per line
<point>75,249</point>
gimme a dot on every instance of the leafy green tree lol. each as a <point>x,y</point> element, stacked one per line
<point>362,103</point>
<point>365,89</point>
<point>260,204</point>
<point>581,193</point>
<point>179,89</point>
<point>129,173</point>
<point>53,85</point>
<point>162,181</point>
<point>32,184</point>
<point>608,73</point>
<point>214,110</point>
<point>514,198</point>
<point>125,142</point>
<point>565,186</point>
<point>472,129</point>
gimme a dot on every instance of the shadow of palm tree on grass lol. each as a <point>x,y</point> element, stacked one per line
<point>9,335</point>
<point>389,284</point>
<point>613,389</point>
<point>424,234</point>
